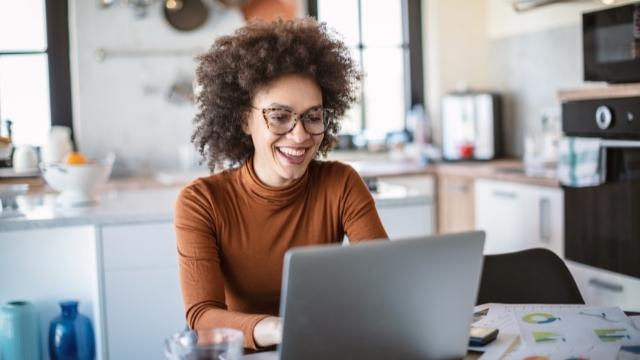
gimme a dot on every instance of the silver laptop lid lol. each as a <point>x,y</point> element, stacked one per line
<point>403,299</point>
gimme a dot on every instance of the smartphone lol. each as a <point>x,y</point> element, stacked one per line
<point>481,336</point>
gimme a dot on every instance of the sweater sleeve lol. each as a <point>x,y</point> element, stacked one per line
<point>359,214</point>
<point>201,278</point>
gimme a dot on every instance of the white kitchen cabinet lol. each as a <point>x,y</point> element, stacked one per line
<point>605,288</point>
<point>519,216</point>
<point>405,206</point>
<point>402,221</point>
<point>142,299</point>
<point>48,265</point>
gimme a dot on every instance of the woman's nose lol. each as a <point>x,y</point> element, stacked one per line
<point>298,133</point>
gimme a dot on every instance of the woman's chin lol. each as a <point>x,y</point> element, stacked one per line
<point>290,175</point>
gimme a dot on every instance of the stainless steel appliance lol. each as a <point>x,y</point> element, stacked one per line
<point>602,223</point>
<point>471,126</point>
<point>611,44</point>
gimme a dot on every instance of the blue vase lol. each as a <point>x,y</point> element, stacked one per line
<point>19,332</point>
<point>71,335</point>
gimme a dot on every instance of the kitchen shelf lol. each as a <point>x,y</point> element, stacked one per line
<point>103,54</point>
<point>600,92</point>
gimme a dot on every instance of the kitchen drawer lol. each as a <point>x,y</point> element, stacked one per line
<point>138,246</point>
<point>605,288</point>
<point>407,221</point>
<point>420,183</point>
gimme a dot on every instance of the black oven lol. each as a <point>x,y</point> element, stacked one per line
<point>611,44</point>
<point>602,223</point>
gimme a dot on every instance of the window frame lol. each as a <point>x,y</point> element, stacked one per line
<point>59,64</point>
<point>57,51</point>
<point>413,61</point>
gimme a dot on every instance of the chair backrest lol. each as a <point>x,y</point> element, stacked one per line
<point>535,276</point>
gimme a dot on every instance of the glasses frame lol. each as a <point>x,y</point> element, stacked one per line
<point>296,117</point>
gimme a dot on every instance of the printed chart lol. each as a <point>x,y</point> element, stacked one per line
<point>559,332</point>
<point>591,326</point>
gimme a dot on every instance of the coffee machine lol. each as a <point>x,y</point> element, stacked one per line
<point>471,126</point>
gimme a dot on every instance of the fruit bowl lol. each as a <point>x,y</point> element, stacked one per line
<point>77,183</point>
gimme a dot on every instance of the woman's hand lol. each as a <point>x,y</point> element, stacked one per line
<point>268,331</point>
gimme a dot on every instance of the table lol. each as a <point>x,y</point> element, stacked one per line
<point>273,355</point>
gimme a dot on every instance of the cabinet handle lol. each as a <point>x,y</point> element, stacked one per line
<point>601,284</point>
<point>545,219</point>
<point>504,194</point>
<point>457,188</point>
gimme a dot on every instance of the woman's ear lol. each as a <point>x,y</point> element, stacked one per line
<point>245,125</point>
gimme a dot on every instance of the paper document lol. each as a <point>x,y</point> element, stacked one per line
<point>590,352</point>
<point>538,331</point>
<point>590,326</point>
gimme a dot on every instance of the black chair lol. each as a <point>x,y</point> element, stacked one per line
<point>534,276</point>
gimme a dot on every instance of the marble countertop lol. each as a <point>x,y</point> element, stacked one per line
<point>151,198</point>
<point>113,207</point>
<point>132,202</point>
<point>505,170</point>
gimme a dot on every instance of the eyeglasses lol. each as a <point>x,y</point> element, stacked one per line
<point>281,121</point>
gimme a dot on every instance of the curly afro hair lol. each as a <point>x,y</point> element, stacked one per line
<point>237,66</point>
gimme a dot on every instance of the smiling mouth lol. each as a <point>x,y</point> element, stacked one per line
<point>292,155</point>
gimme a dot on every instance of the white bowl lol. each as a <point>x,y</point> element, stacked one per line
<point>77,183</point>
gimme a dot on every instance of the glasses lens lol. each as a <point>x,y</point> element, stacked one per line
<point>314,120</point>
<point>279,120</point>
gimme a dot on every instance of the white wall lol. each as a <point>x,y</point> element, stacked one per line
<point>504,21</point>
<point>455,49</point>
<point>488,45</point>
<point>120,103</point>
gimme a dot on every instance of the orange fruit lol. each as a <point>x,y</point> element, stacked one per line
<point>75,158</point>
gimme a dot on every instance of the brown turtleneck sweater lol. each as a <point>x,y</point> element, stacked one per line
<point>233,232</point>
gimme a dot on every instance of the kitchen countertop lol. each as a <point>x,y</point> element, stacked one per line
<point>148,199</point>
<point>138,201</point>
<point>504,170</point>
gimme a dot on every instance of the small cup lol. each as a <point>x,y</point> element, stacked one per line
<point>25,159</point>
<point>208,344</point>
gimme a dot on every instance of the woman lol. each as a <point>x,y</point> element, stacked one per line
<point>270,100</point>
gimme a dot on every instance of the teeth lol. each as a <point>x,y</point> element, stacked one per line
<point>292,151</point>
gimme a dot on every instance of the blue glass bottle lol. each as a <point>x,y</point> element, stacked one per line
<point>71,335</point>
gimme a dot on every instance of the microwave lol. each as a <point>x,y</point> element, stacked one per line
<point>611,44</point>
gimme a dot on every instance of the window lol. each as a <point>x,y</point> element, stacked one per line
<point>34,68</point>
<point>385,39</point>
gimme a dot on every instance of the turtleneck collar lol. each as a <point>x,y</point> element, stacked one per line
<point>280,196</point>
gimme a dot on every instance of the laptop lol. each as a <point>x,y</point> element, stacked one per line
<point>402,299</point>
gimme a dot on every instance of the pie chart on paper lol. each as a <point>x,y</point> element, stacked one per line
<point>539,318</point>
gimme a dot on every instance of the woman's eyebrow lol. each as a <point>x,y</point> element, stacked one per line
<point>278,105</point>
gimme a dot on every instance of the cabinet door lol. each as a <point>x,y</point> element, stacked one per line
<point>455,204</point>
<point>545,217</point>
<point>605,288</point>
<point>143,304</point>
<point>406,221</point>
<point>499,212</point>
<point>518,216</point>
<point>413,215</point>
